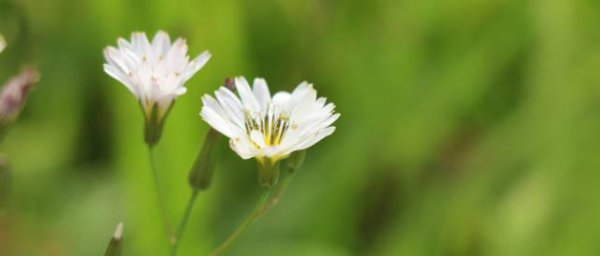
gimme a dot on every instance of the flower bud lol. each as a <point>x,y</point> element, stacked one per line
<point>115,245</point>
<point>2,43</point>
<point>268,171</point>
<point>230,84</point>
<point>201,174</point>
<point>14,96</point>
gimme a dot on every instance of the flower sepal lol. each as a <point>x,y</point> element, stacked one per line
<point>268,171</point>
<point>154,118</point>
<point>294,161</point>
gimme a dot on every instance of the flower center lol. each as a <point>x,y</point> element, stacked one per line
<point>272,125</point>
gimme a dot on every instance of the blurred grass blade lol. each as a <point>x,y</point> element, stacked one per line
<point>5,181</point>
<point>115,244</point>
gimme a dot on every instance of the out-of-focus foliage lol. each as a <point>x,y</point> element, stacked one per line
<point>467,128</point>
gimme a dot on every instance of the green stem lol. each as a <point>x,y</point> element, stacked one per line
<point>277,193</point>
<point>161,200</point>
<point>258,211</point>
<point>184,220</point>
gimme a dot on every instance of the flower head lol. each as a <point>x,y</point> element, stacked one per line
<point>13,97</point>
<point>154,71</point>
<point>14,94</point>
<point>267,127</point>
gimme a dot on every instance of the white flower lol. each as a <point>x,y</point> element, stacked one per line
<point>155,72</point>
<point>269,127</point>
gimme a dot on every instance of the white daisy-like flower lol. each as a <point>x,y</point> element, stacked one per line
<point>267,127</point>
<point>155,72</point>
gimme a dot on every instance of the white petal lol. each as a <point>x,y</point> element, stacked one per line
<point>141,45</point>
<point>314,116</point>
<point>231,104</point>
<point>303,96</point>
<point>217,122</point>
<point>261,93</point>
<point>176,56</point>
<point>316,125</point>
<point>161,44</point>
<point>258,138</point>
<point>211,103</point>
<point>123,44</point>
<point>180,91</point>
<point>309,142</point>
<point>281,99</point>
<point>248,99</point>
<point>118,74</point>
<point>130,58</point>
<point>196,65</point>
<point>115,57</point>
<point>242,148</point>
<point>303,90</point>
<point>321,102</point>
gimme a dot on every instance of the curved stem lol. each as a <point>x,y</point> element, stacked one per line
<point>184,220</point>
<point>258,211</point>
<point>161,200</point>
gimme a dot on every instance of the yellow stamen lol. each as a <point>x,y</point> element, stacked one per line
<point>272,125</point>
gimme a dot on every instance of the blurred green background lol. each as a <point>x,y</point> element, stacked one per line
<point>467,127</point>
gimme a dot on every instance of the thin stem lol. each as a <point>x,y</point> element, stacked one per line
<point>277,193</point>
<point>161,200</point>
<point>258,211</point>
<point>184,220</point>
